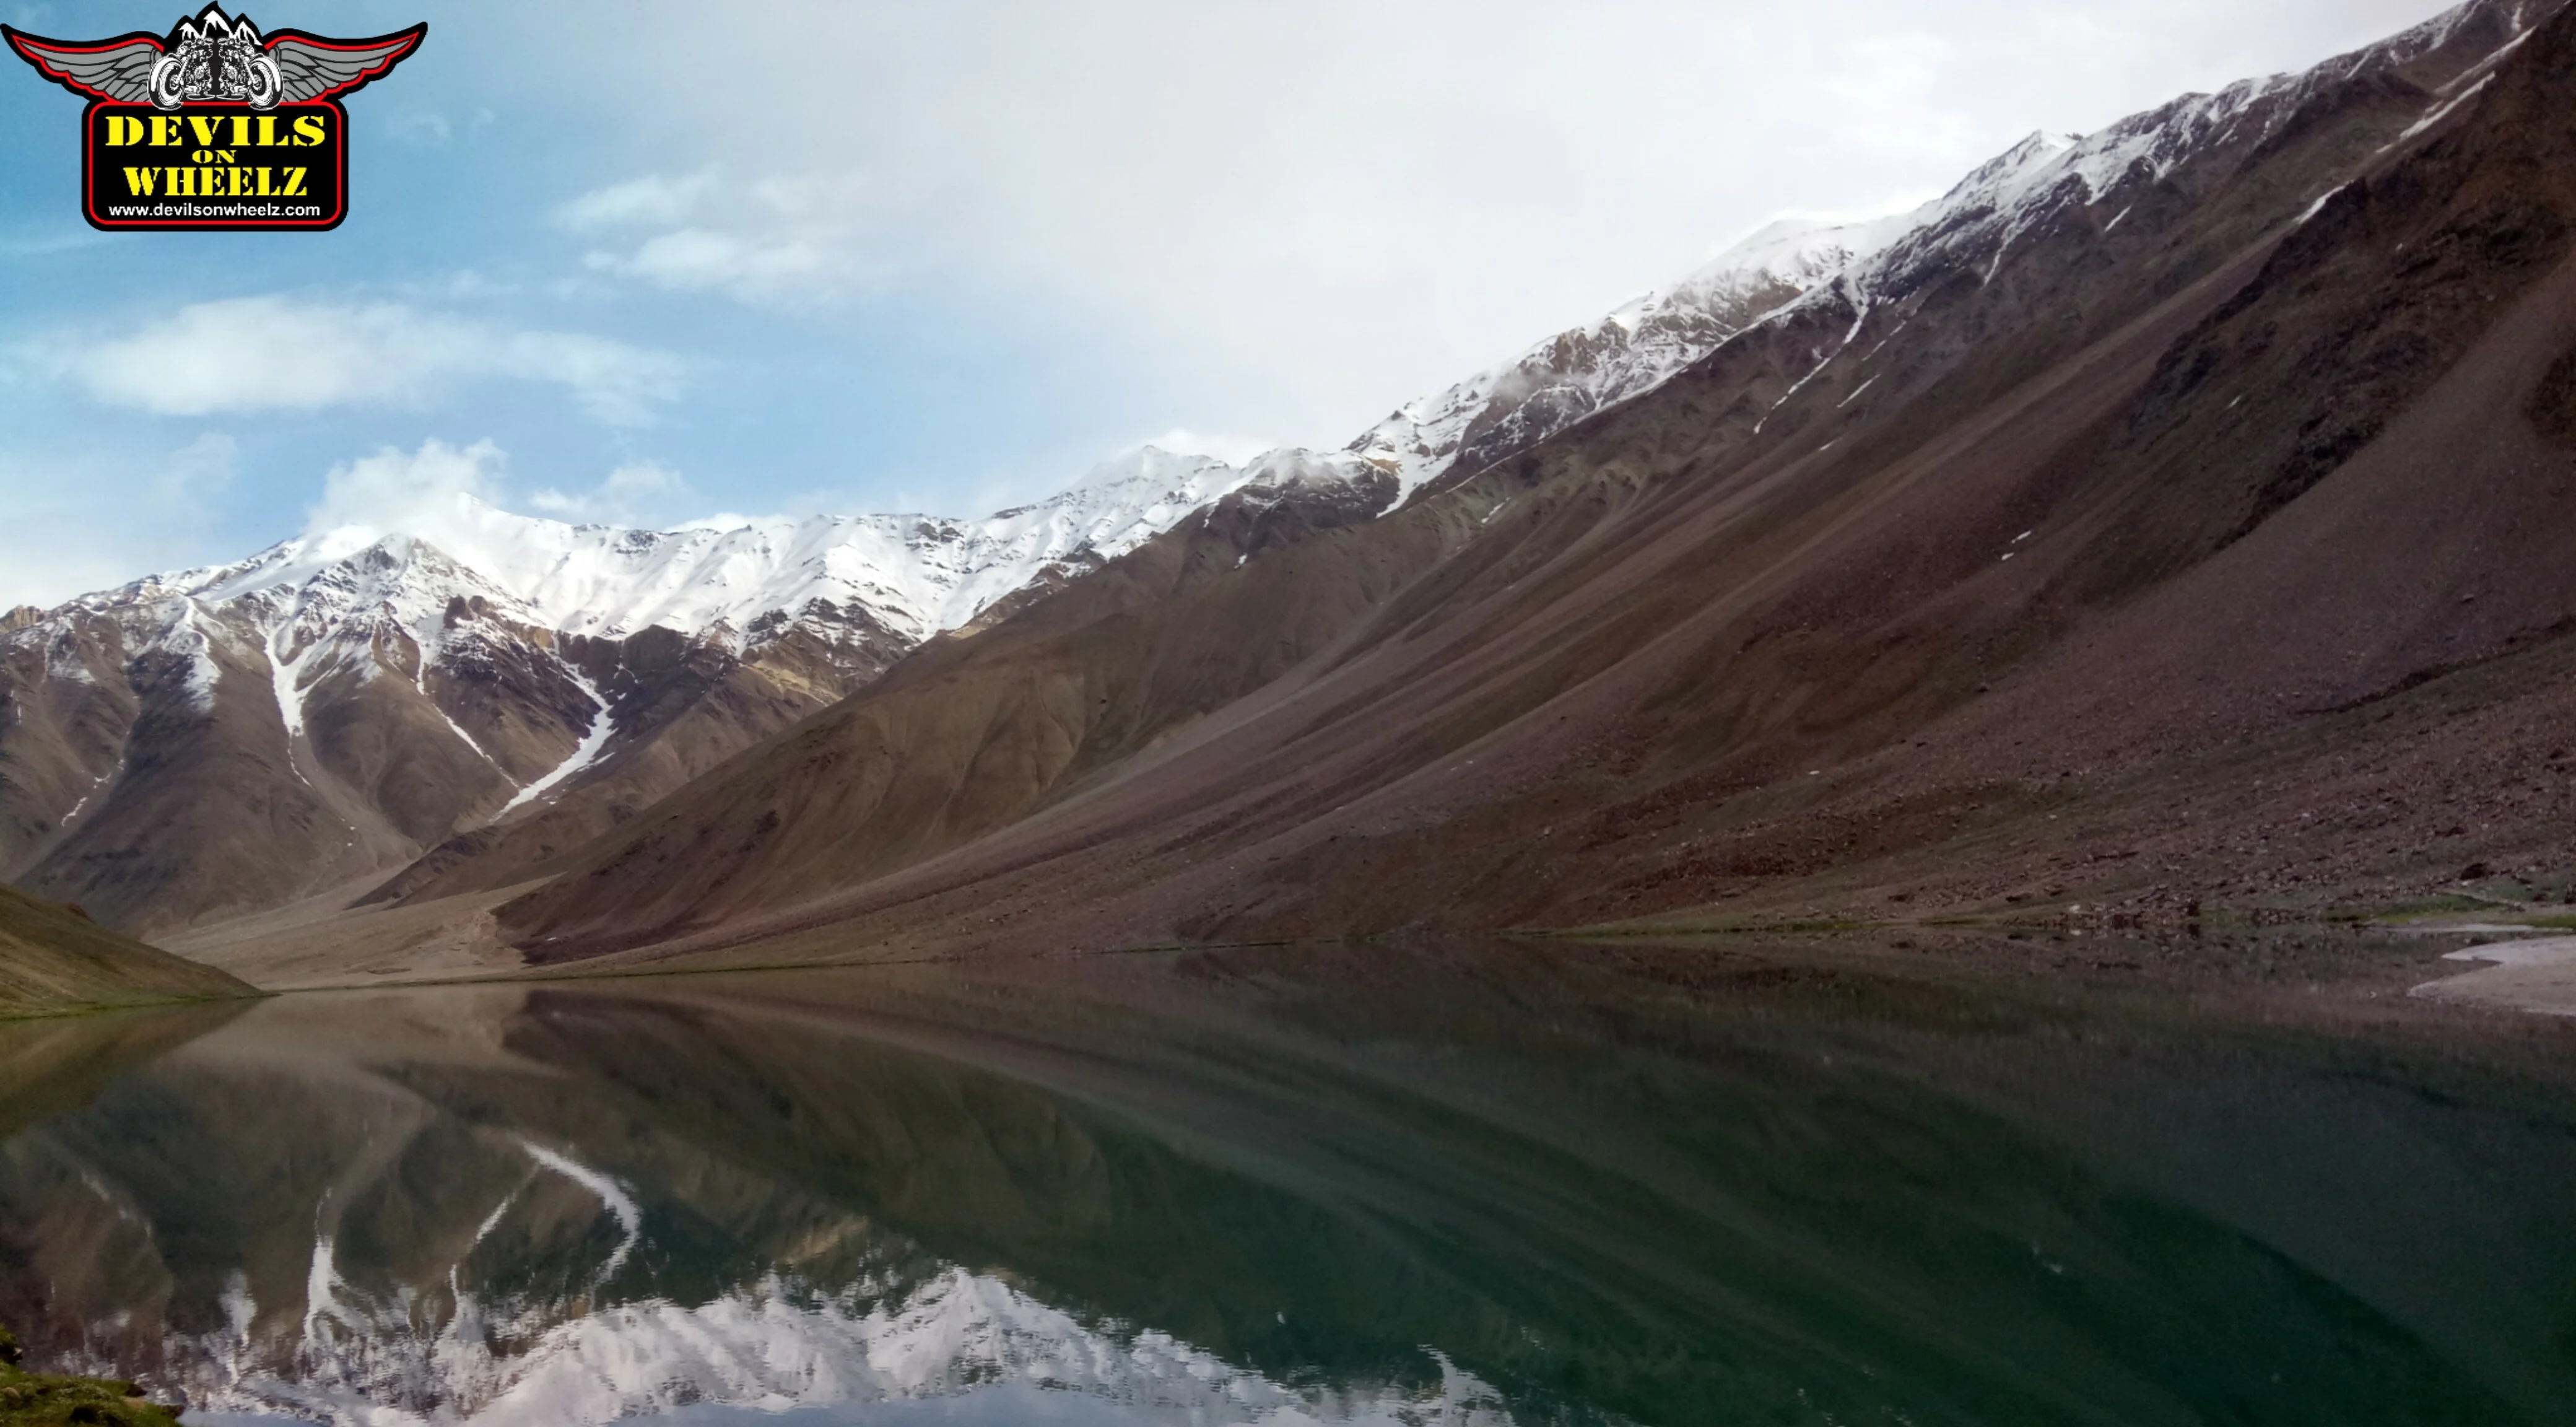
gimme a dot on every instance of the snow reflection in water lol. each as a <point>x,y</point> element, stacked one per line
<point>775,1347</point>
<point>1285,1185</point>
<point>471,1255</point>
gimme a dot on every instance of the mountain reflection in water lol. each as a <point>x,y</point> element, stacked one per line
<point>1300,1185</point>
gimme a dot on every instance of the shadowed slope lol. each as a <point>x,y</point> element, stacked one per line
<point>2104,475</point>
<point>55,959</point>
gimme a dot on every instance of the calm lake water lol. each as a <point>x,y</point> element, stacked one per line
<point>1497,1185</point>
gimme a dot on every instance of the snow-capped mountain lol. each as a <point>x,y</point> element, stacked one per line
<point>2160,156</point>
<point>1799,263</point>
<point>915,575</point>
<point>390,691</point>
<point>404,686</point>
<point>1511,407</point>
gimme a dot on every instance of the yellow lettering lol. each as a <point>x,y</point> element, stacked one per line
<point>204,124</point>
<point>241,131</point>
<point>263,181</point>
<point>310,131</point>
<point>124,130</point>
<point>183,183</point>
<point>295,184</point>
<point>166,133</point>
<point>268,131</point>
<point>139,181</point>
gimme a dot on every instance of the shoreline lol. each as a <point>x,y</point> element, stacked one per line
<point>2536,976</point>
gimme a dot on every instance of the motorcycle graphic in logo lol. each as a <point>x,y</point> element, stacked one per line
<point>215,126</point>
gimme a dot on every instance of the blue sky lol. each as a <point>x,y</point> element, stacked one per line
<point>660,261</point>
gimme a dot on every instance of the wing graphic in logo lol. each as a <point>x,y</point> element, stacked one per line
<point>316,68</point>
<point>119,70</point>
<point>216,58</point>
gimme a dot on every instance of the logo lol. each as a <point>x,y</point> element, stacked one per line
<point>215,126</point>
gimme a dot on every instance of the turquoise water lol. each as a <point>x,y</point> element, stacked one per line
<point>1471,1185</point>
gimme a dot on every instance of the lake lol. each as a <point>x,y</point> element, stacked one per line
<point>1492,1184</point>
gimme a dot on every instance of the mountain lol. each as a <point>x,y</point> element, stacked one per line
<point>2169,517</point>
<point>1507,409</point>
<point>54,959</point>
<point>479,694</point>
<point>1993,553</point>
<point>222,740</point>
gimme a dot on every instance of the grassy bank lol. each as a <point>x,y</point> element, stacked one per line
<point>54,961</point>
<point>29,1399</point>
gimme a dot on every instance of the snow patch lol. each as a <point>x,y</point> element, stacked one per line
<point>282,678</point>
<point>612,1195</point>
<point>602,728</point>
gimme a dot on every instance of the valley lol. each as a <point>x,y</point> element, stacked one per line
<point>2160,527</point>
<point>1962,815</point>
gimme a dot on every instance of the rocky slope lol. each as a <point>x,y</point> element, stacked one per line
<point>479,694</point>
<point>218,741</point>
<point>2168,514</point>
<point>1563,643</point>
<point>1509,408</point>
<point>54,959</point>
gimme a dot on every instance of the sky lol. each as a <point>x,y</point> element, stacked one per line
<point>653,262</point>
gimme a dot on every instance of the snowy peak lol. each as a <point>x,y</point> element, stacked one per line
<point>2045,174</point>
<point>1790,253</point>
<point>399,688</point>
<point>1636,348</point>
<point>1147,467</point>
<point>1569,377</point>
<point>915,574</point>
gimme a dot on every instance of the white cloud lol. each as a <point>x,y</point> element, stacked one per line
<point>1233,450</point>
<point>1316,211</point>
<point>422,129</point>
<point>421,493</point>
<point>630,495</point>
<point>246,355</point>
<point>782,240</point>
<point>694,259</point>
<point>652,200</point>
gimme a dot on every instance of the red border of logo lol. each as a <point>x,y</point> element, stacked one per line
<point>89,188</point>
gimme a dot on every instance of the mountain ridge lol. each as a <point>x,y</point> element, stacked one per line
<point>1639,506</point>
<point>1591,682</point>
<point>386,686</point>
<point>602,666</point>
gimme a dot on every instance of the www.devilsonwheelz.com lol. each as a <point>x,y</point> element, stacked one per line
<point>215,210</point>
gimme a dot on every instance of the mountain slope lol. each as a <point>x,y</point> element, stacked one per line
<point>1506,410</point>
<point>218,741</point>
<point>2139,463</point>
<point>477,694</point>
<point>55,959</point>
<point>967,735</point>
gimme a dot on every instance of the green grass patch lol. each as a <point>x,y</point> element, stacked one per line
<point>2424,909</point>
<point>37,1400</point>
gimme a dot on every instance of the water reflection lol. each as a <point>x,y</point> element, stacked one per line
<point>1291,1186</point>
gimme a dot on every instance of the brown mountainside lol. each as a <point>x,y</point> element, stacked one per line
<point>2193,533</point>
<point>159,782</point>
<point>54,959</point>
